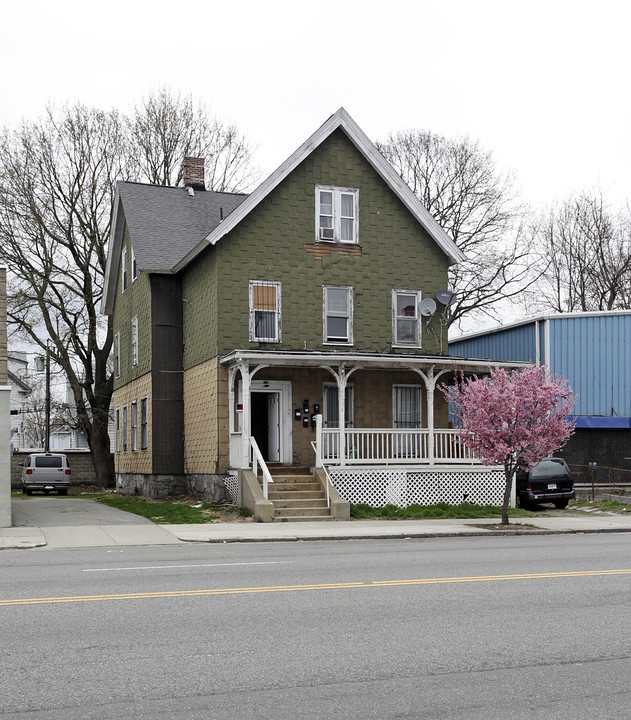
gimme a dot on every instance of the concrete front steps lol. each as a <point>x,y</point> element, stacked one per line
<point>297,495</point>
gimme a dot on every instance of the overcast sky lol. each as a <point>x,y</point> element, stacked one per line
<point>544,85</point>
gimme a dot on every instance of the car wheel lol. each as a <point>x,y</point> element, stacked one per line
<point>29,491</point>
<point>560,504</point>
<point>63,491</point>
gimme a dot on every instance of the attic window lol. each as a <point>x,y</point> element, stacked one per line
<point>336,214</point>
<point>124,270</point>
<point>134,267</point>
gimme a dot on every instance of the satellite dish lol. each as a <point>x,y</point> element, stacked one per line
<point>427,307</point>
<point>446,297</point>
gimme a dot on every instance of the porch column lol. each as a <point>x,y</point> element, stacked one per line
<point>430,386</point>
<point>341,378</point>
<point>246,429</point>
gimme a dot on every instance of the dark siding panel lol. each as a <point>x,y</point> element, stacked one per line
<point>167,376</point>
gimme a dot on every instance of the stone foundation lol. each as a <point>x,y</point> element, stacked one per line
<point>207,488</point>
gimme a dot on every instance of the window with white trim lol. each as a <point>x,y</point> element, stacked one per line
<point>134,426</point>
<point>134,267</point>
<point>337,314</point>
<point>331,409</point>
<point>117,354</point>
<point>406,414</point>
<point>144,434</point>
<point>124,270</point>
<point>134,341</point>
<point>125,426</point>
<point>406,406</point>
<point>336,214</point>
<point>265,311</point>
<point>406,325</point>
<point>118,430</point>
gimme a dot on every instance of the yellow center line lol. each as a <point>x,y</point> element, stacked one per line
<point>322,586</point>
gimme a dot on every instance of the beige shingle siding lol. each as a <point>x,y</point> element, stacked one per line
<point>139,461</point>
<point>200,418</point>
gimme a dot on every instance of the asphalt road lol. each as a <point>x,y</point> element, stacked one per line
<point>467,628</point>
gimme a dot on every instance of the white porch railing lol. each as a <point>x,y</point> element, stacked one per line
<point>257,459</point>
<point>387,446</point>
<point>328,481</point>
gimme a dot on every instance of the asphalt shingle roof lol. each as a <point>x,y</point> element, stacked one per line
<point>166,223</point>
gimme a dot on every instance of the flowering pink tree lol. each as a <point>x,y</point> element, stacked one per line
<point>513,419</point>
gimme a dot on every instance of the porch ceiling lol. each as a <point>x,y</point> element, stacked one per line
<point>359,360</point>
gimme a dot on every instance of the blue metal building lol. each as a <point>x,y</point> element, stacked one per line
<point>592,351</point>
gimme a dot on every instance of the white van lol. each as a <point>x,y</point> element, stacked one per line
<point>45,471</point>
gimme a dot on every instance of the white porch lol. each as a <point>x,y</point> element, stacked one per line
<point>343,446</point>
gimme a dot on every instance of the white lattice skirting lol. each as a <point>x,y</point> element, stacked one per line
<point>231,481</point>
<point>423,486</point>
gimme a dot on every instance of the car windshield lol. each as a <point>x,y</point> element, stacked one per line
<point>48,462</point>
<point>548,468</point>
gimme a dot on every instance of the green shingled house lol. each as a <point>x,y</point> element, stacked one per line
<point>282,329</point>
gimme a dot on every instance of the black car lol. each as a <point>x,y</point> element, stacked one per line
<point>549,481</point>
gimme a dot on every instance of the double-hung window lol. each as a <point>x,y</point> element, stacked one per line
<point>265,311</point>
<point>336,214</point>
<point>124,270</point>
<point>134,341</point>
<point>144,435</point>
<point>406,326</point>
<point>118,430</point>
<point>406,414</point>
<point>124,438</point>
<point>134,267</point>
<point>337,311</point>
<point>117,355</point>
<point>134,426</point>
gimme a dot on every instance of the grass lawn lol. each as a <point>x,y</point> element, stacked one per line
<point>185,510</point>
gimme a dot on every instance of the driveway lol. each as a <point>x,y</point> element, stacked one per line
<point>44,511</point>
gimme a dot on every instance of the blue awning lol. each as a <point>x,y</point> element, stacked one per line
<point>603,422</point>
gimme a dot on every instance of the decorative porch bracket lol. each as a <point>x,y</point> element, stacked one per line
<point>341,378</point>
<point>246,421</point>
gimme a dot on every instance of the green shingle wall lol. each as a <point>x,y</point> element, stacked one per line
<point>270,245</point>
<point>199,289</point>
<point>135,301</point>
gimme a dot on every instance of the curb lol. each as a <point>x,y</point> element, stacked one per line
<point>407,536</point>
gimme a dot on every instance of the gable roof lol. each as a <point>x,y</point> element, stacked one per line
<point>165,224</point>
<point>341,119</point>
<point>170,228</point>
<point>19,383</point>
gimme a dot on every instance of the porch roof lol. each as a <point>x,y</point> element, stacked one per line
<point>363,360</point>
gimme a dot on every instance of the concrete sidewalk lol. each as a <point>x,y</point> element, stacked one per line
<point>136,531</point>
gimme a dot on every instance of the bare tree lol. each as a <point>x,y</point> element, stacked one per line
<point>57,186</point>
<point>587,249</point>
<point>166,128</point>
<point>57,180</point>
<point>459,184</point>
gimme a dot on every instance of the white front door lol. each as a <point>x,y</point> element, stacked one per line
<point>273,427</point>
<point>271,415</point>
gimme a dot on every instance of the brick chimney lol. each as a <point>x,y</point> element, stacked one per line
<point>193,173</point>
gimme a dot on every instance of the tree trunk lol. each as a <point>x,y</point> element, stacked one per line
<point>102,458</point>
<point>508,474</point>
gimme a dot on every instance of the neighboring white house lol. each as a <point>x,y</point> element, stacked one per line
<point>28,396</point>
